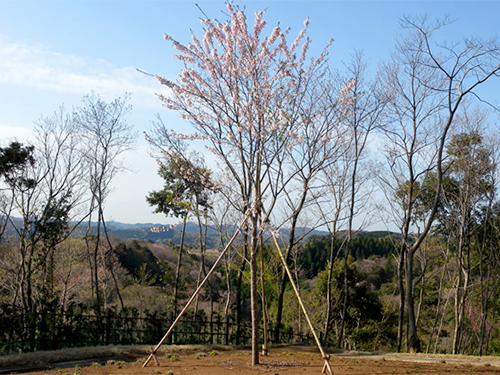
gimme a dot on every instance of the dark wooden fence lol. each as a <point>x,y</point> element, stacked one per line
<point>51,331</point>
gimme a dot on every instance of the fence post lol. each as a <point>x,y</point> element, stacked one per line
<point>32,328</point>
<point>108,326</point>
<point>171,338</point>
<point>211,328</point>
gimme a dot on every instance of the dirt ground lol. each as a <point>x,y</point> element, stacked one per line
<point>280,361</point>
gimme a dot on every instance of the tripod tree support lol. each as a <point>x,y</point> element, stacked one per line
<point>169,332</point>
<point>326,367</point>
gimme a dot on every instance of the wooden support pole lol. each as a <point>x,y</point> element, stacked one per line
<point>155,349</point>
<point>326,368</point>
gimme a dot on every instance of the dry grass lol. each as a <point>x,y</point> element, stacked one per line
<point>72,354</point>
<point>53,356</point>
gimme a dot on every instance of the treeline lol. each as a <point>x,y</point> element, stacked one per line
<point>315,254</point>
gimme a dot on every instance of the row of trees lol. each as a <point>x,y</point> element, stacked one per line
<point>52,188</point>
<point>291,138</point>
<point>294,145</point>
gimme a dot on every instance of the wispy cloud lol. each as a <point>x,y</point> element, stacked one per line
<point>11,133</point>
<point>34,66</point>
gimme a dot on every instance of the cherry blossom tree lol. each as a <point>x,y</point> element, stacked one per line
<point>242,92</point>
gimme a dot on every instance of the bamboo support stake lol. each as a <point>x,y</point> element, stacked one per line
<point>326,366</point>
<point>153,352</point>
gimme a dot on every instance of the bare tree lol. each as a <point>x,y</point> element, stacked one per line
<point>320,147</point>
<point>107,136</point>
<point>46,193</point>
<point>331,204</point>
<point>363,111</point>
<point>427,83</point>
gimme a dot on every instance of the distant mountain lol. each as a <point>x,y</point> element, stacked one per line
<point>159,233</point>
<point>116,225</point>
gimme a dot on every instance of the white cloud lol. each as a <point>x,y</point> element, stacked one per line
<point>33,66</point>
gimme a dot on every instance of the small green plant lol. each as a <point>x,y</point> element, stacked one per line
<point>120,363</point>
<point>110,362</point>
<point>213,352</point>
<point>172,356</point>
<point>157,371</point>
<point>169,372</point>
<point>95,364</point>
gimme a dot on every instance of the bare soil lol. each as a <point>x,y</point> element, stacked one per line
<point>279,361</point>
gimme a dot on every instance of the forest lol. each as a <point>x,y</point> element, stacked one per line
<point>281,146</point>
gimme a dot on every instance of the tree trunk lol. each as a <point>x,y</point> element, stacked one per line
<point>291,242</point>
<point>461,287</point>
<point>401,314</point>
<point>264,302</point>
<point>109,263</point>
<point>346,295</point>
<point>279,309</point>
<point>438,305</point>
<point>326,329</point>
<point>178,266</point>
<point>202,271</point>
<point>255,316</point>
<point>414,341</point>
<point>239,285</point>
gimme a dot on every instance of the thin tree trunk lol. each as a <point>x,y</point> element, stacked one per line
<point>255,316</point>
<point>346,295</point>
<point>461,288</point>
<point>438,304</point>
<point>178,266</point>
<point>201,271</point>
<point>401,313</point>
<point>109,263</point>
<point>264,303</point>
<point>291,243</point>
<point>413,340</point>
<point>239,285</point>
<point>326,329</point>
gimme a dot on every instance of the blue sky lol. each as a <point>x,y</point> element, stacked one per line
<point>54,52</point>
